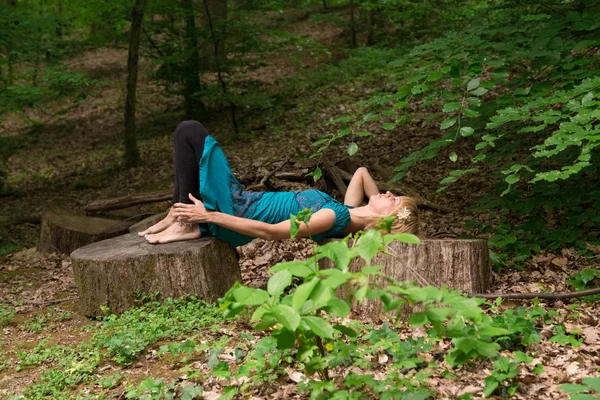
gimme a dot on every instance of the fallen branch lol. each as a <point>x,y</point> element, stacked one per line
<point>541,296</point>
<point>333,172</point>
<point>128,201</point>
<point>55,301</point>
<point>263,182</point>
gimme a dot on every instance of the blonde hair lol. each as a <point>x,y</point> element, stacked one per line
<point>407,218</point>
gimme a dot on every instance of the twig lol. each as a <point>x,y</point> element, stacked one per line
<point>269,175</point>
<point>55,301</point>
<point>541,296</point>
<point>332,171</point>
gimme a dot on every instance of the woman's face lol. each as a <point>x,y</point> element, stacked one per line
<point>384,203</point>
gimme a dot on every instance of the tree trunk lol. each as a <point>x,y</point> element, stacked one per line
<point>63,232</point>
<point>191,74</point>
<point>213,56</point>
<point>115,272</point>
<point>132,155</point>
<point>371,27</point>
<point>461,264</point>
<point>353,24</point>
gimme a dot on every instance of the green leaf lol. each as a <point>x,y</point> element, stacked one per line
<point>417,89</point>
<point>296,268</point>
<point>362,133</point>
<point>490,331</point>
<point>448,122</point>
<point>258,314</point>
<point>317,174</point>
<point>451,106</point>
<point>388,126</point>
<point>352,148</point>
<point>279,282</point>
<point>512,179</point>
<point>287,316</point>
<point>453,157</point>
<point>573,388</point>
<point>319,327</point>
<point>418,319</point>
<point>286,339</point>
<point>303,292</point>
<point>250,296</point>
<point>338,253</point>
<point>480,91</point>
<point>403,237</point>
<point>336,278</point>
<point>466,131</point>
<point>469,113</point>
<point>587,99</point>
<point>368,244</point>
<point>473,84</point>
<point>345,330</point>
<point>594,383</point>
<point>338,307</point>
<point>582,396</point>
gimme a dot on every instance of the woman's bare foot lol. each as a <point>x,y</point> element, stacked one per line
<point>160,225</point>
<point>175,233</point>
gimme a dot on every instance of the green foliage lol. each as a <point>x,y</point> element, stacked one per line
<point>521,81</point>
<point>590,390</point>
<point>305,320</point>
<point>6,314</point>
<point>502,378</point>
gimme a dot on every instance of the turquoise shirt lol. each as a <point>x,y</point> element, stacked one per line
<point>221,191</point>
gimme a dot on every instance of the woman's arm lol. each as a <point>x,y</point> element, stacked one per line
<point>361,185</point>
<point>320,222</point>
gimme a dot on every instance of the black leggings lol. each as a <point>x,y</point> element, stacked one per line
<point>189,145</point>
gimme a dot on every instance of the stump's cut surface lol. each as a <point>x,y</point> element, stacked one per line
<point>115,272</point>
<point>461,264</point>
<point>63,232</point>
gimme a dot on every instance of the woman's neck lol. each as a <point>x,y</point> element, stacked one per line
<point>359,216</point>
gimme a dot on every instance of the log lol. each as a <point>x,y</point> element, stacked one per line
<point>115,272</point>
<point>147,223</point>
<point>461,264</point>
<point>128,201</point>
<point>63,232</point>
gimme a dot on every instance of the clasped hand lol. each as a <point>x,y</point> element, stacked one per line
<point>196,212</point>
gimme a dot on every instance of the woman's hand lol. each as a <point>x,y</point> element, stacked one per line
<point>196,212</point>
<point>362,185</point>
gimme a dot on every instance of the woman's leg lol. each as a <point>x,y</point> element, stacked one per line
<point>188,149</point>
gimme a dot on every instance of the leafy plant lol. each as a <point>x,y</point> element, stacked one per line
<point>590,390</point>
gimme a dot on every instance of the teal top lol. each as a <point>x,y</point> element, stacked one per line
<point>221,191</point>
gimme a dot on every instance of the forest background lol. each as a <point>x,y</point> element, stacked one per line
<point>489,108</point>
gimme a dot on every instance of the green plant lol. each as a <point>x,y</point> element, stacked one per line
<point>590,390</point>
<point>303,319</point>
<point>6,314</point>
<point>502,378</point>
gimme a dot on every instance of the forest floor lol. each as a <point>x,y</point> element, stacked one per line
<point>68,154</point>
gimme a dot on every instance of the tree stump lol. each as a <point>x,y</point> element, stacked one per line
<point>461,264</point>
<point>63,232</point>
<point>115,272</point>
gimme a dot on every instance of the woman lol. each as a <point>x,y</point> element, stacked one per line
<point>230,213</point>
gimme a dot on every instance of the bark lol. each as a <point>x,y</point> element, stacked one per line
<point>115,272</point>
<point>371,27</point>
<point>193,106</point>
<point>353,24</point>
<point>459,264</point>
<point>132,155</point>
<point>63,232</point>
<point>128,201</point>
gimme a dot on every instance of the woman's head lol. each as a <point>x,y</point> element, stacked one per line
<point>404,208</point>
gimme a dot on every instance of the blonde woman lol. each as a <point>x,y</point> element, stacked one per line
<point>209,199</point>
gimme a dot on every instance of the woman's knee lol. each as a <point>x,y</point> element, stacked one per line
<point>187,126</point>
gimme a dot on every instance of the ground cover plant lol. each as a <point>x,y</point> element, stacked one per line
<point>487,108</point>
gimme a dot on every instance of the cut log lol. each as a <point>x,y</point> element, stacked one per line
<point>63,232</point>
<point>461,264</point>
<point>147,223</point>
<point>115,272</point>
<point>128,201</point>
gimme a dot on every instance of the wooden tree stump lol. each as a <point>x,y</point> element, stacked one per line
<point>461,264</point>
<point>63,232</point>
<point>114,272</point>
